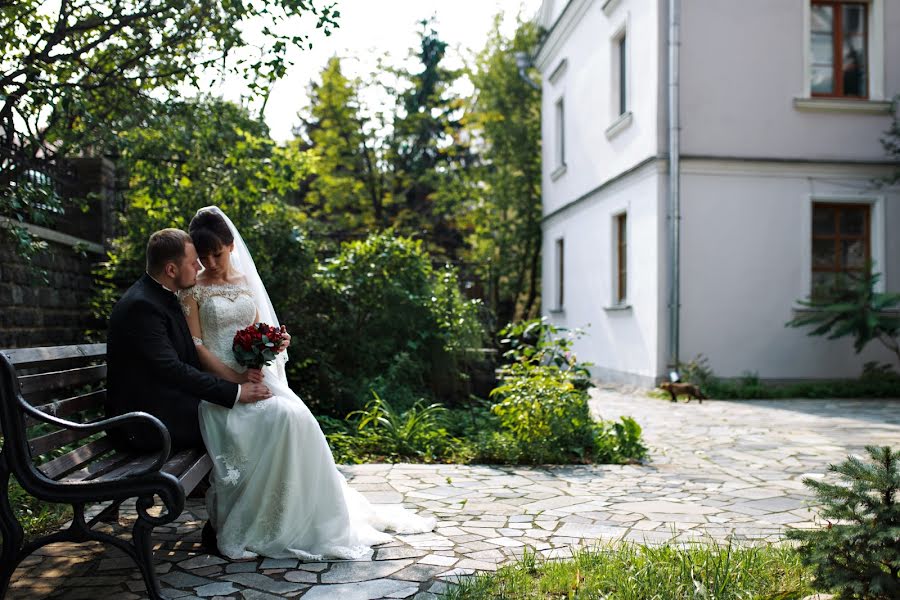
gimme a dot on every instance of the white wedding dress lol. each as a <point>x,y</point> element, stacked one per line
<point>275,489</point>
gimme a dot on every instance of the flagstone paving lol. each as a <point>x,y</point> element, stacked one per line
<point>717,469</point>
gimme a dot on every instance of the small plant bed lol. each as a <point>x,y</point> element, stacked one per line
<point>538,414</point>
<point>876,381</point>
<point>629,571</point>
<point>35,516</point>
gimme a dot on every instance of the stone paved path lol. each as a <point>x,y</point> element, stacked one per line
<point>718,469</point>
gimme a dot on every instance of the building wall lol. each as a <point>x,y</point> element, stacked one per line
<point>621,342</point>
<point>745,259</point>
<point>576,65</point>
<point>743,66</point>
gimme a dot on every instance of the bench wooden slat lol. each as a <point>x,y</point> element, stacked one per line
<point>52,441</point>
<point>196,472</point>
<point>133,465</point>
<point>76,458</point>
<point>55,380</point>
<point>31,357</point>
<point>69,406</point>
<point>96,469</point>
<point>182,461</point>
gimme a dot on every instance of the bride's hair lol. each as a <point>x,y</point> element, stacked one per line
<point>209,231</point>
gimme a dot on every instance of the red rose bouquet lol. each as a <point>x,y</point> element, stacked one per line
<point>255,346</point>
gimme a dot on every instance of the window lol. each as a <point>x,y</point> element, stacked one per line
<point>560,271</point>
<point>839,49</point>
<point>623,94</point>
<point>621,253</point>
<point>840,246</point>
<point>560,134</point>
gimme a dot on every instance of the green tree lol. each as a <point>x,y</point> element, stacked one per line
<point>505,214</point>
<point>858,554</point>
<point>181,156</point>
<point>426,151</point>
<point>856,310</point>
<point>346,194</point>
<point>73,68</point>
<point>75,73</point>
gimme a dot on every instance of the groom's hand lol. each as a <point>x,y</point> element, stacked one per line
<point>253,392</point>
<point>252,376</point>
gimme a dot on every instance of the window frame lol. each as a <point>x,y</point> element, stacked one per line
<point>559,256</point>
<point>837,48</point>
<point>559,150</point>
<point>877,232</point>
<point>878,103</point>
<point>620,252</point>
<point>838,237</point>
<point>622,51</point>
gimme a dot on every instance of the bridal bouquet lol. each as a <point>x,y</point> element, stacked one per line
<point>255,346</point>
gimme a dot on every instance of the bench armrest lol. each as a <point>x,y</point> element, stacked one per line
<point>104,424</point>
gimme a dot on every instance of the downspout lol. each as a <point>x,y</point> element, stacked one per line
<point>674,204</point>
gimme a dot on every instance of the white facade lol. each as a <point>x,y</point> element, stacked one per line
<point>757,150</point>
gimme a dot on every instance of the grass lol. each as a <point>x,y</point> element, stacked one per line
<point>629,571</point>
<point>35,516</point>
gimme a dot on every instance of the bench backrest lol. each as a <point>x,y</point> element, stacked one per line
<point>68,382</point>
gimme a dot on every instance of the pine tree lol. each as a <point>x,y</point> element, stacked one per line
<point>346,194</point>
<point>426,151</point>
<point>858,554</point>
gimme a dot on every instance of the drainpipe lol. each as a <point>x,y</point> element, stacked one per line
<point>523,62</point>
<point>674,204</point>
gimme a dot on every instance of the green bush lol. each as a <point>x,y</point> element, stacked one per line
<point>380,433</point>
<point>540,407</point>
<point>858,553</point>
<point>618,441</point>
<point>395,324</point>
<point>876,381</point>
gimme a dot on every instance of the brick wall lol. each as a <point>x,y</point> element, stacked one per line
<point>45,313</point>
<point>48,302</point>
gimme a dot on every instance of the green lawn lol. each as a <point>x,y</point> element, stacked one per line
<point>627,571</point>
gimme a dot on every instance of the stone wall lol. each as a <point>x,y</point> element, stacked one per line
<point>45,309</point>
<point>47,302</point>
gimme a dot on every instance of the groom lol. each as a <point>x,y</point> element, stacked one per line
<point>152,362</point>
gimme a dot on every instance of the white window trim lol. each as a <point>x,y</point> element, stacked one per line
<point>559,137</point>
<point>559,71</point>
<point>875,53</point>
<point>609,6</point>
<point>614,302</point>
<point>619,125</point>
<point>616,114</point>
<point>877,232</point>
<point>559,273</point>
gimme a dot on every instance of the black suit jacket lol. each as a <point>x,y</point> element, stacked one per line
<point>153,367</point>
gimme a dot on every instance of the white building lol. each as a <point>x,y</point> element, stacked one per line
<point>779,106</point>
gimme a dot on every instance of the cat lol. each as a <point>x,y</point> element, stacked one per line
<point>687,389</point>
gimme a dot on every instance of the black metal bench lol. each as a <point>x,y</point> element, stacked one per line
<point>55,395</point>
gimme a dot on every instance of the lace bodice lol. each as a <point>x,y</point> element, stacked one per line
<point>224,309</point>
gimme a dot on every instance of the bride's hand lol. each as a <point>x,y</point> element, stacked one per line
<point>252,376</point>
<point>287,340</point>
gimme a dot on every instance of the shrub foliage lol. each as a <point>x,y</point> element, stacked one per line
<point>858,553</point>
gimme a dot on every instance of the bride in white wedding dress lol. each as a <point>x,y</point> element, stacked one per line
<point>275,490</point>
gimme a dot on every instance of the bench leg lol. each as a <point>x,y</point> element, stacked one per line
<point>142,534</point>
<point>13,535</point>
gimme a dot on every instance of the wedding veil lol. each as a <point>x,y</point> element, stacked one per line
<point>242,261</point>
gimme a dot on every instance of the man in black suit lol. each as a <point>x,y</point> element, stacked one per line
<point>152,362</point>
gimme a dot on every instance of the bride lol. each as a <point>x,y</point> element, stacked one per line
<point>275,490</point>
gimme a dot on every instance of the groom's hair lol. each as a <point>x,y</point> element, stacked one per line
<point>165,246</point>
